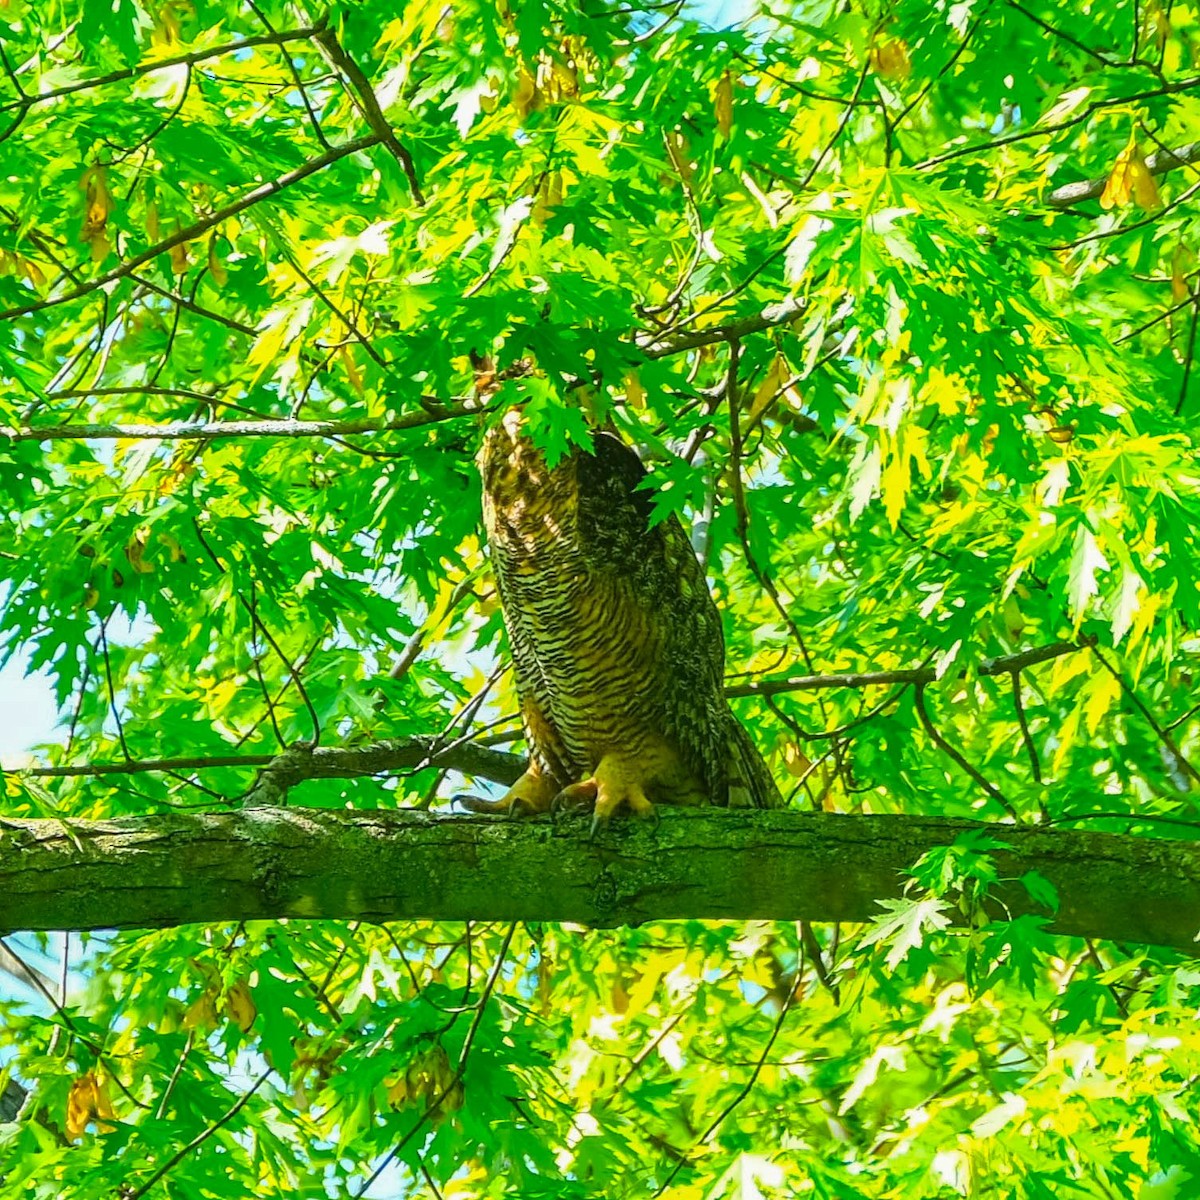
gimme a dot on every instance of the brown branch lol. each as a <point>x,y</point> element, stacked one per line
<point>1032,657</point>
<point>1168,89</point>
<point>271,188</point>
<point>200,1138</point>
<point>367,104</point>
<point>325,762</point>
<point>1035,765</point>
<point>918,675</point>
<point>744,1091</point>
<point>703,863</point>
<point>955,755</point>
<point>771,316</point>
<point>1162,734</point>
<point>1158,163</point>
<point>812,683</point>
<point>26,100</point>
<point>284,427</point>
<point>460,1067</point>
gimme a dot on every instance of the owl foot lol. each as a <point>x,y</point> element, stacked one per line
<point>530,795</point>
<point>614,785</point>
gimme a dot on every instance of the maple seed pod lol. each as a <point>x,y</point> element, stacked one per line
<point>890,60</point>
<point>88,1101</point>
<point>239,1007</point>
<point>723,104</point>
<point>1130,179</point>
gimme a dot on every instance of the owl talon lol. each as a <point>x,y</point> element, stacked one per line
<point>478,804</point>
<point>530,795</point>
<point>574,797</point>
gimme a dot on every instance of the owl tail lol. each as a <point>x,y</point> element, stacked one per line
<point>750,782</point>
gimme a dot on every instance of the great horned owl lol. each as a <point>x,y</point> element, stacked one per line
<point>617,644</point>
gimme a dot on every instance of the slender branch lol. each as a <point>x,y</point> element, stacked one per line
<point>460,1067</point>
<point>1163,735</point>
<point>1023,721</point>
<point>741,1094</point>
<point>313,120</point>
<point>271,188</point>
<point>1158,163</point>
<point>771,316</point>
<point>953,753</point>
<point>1118,230</point>
<point>812,683</point>
<point>200,1138</point>
<point>26,100</point>
<point>1032,657</point>
<point>324,762</point>
<point>918,675</point>
<point>202,431</point>
<point>1190,355</point>
<point>367,104</point>
<point>1168,89</point>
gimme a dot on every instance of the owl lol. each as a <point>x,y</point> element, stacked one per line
<point>617,646</point>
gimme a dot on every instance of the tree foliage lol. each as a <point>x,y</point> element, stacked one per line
<point>898,301</point>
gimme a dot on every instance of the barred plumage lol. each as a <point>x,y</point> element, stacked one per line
<point>617,644</point>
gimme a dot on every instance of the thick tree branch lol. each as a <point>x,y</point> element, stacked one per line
<point>263,863</point>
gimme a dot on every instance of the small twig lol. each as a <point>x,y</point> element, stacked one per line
<point>1191,353</point>
<point>1085,114</point>
<point>846,727</point>
<point>295,74</point>
<point>189,60</point>
<point>1164,735</point>
<point>951,752</point>
<point>256,660</point>
<point>812,683</point>
<point>460,1068</point>
<point>1119,230</point>
<point>1019,705</point>
<point>745,1091</point>
<point>112,694</point>
<point>199,1139</point>
<point>161,1110</point>
<point>255,620</point>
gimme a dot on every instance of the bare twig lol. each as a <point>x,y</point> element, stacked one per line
<point>1190,355</point>
<point>743,1092</point>
<point>1030,748</point>
<point>460,1068</point>
<point>953,753</point>
<point>200,1138</point>
<point>290,666</point>
<point>1163,734</point>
